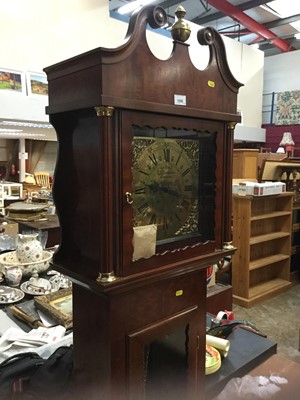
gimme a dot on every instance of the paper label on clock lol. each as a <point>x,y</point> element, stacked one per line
<point>144,241</point>
<point>179,100</point>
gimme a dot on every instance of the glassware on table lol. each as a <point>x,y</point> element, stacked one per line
<point>7,242</point>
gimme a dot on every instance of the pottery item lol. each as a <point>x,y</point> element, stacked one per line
<point>29,248</point>
<point>37,286</point>
<point>13,275</point>
<point>10,260</point>
<point>10,295</point>
<point>61,280</point>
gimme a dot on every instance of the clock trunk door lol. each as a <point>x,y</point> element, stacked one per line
<point>172,189</point>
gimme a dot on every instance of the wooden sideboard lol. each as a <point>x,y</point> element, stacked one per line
<point>50,225</point>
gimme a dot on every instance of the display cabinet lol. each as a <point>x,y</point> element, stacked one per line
<point>142,189</point>
<point>245,164</point>
<point>262,234</point>
<point>9,190</point>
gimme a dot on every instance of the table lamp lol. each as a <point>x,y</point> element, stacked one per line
<point>288,142</point>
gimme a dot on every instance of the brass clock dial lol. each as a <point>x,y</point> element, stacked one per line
<point>165,185</point>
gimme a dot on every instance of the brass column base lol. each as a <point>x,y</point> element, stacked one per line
<point>106,277</point>
<point>228,246</point>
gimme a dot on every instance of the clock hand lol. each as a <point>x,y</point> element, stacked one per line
<point>169,191</point>
<point>155,187</point>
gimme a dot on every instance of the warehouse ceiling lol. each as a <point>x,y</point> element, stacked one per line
<point>271,25</point>
<point>20,129</point>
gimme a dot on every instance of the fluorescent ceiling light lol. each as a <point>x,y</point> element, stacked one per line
<point>11,130</point>
<point>297,36</point>
<point>283,8</point>
<point>133,5</point>
<point>296,25</point>
<point>255,46</point>
<point>20,134</point>
<point>26,124</point>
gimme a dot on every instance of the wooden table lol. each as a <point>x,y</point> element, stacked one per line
<point>247,350</point>
<point>274,365</point>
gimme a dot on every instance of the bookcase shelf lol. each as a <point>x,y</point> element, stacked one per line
<point>275,214</point>
<point>268,237</point>
<point>262,229</point>
<point>295,250</point>
<point>263,262</point>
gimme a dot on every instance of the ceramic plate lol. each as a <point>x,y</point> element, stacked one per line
<point>61,280</point>
<point>25,207</point>
<point>10,295</point>
<point>36,291</point>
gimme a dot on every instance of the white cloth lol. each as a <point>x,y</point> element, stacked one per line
<point>252,387</point>
<point>15,340</point>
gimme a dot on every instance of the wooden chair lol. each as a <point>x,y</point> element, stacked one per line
<point>43,179</point>
<point>265,150</point>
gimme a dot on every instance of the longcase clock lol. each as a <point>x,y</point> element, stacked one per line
<point>143,193</point>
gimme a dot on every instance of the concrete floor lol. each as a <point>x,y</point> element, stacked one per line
<point>279,319</point>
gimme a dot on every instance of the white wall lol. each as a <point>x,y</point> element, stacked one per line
<point>36,34</point>
<point>50,31</point>
<point>48,160</point>
<point>281,73</point>
<point>247,65</point>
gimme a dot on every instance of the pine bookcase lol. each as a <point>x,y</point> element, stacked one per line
<point>262,229</point>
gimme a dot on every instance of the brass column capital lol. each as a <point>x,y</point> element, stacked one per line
<point>231,125</point>
<point>104,111</point>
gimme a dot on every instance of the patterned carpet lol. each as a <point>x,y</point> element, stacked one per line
<point>279,319</point>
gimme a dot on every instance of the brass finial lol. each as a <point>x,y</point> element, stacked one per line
<point>180,29</point>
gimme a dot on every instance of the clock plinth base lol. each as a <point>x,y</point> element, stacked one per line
<point>114,334</point>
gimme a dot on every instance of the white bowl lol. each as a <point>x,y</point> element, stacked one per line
<point>10,259</point>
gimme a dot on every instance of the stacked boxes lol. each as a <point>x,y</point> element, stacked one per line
<point>258,189</point>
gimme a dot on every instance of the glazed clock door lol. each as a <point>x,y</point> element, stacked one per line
<point>165,186</point>
<point>172,194</point>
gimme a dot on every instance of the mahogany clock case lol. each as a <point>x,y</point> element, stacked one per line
<point>112,122</point>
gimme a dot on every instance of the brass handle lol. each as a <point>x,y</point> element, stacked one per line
<point>129,198</point>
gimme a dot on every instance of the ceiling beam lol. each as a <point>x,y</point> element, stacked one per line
<point>243,7</point>
<point>272,24</point>
<point>170,3</point>
<point>282,21</point>
<point>249,23</point>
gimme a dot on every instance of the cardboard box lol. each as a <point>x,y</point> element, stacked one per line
<point>10,228</point>
<point>258,189</point>
<point>211,275</point>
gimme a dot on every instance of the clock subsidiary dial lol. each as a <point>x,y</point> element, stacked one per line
<point>165,185</point>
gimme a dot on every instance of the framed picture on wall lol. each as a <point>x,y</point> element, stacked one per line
<point>12,81</point>
<point>37,84</point>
